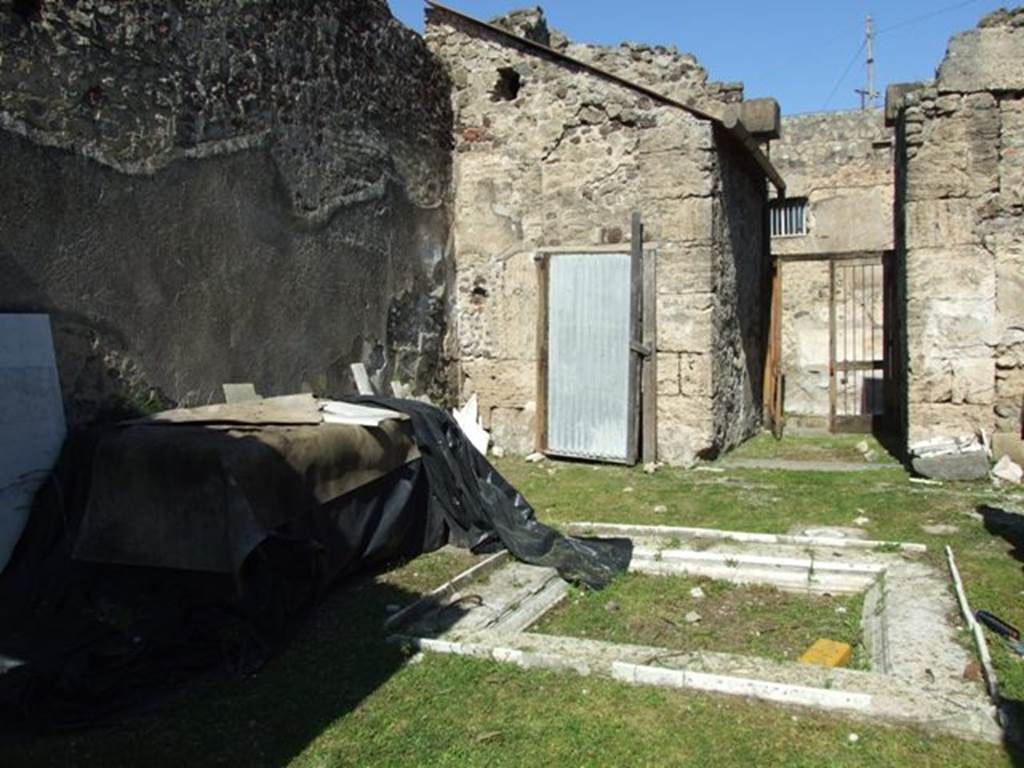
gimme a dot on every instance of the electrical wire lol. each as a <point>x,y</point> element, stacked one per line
<point>924,17</point>
<point>846,72</point>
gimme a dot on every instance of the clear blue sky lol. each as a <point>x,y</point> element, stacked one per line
<point>794,50</point>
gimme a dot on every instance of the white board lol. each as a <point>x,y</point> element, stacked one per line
<point>32,424</point>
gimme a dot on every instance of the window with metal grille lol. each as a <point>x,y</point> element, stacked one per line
<point>789,217</point>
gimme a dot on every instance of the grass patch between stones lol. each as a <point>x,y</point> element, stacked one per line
<point>755,620</point>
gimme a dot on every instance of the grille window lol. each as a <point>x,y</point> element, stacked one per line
<point>789,217</point>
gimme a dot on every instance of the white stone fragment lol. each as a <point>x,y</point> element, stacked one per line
<point>533,458</point>
<point>692,617</point>
<point>468,419</point>
<point>1009,470</point>
<point>697,592</point>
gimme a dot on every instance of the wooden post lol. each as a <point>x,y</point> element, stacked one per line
<point>540,434</point>
<point>636,273</point>
<point>649,377</point>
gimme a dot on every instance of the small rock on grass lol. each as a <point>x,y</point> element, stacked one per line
<point>863,447</point>
<point>497,451</point>
<point>692,617</point>
<point>853,738</point>
<point>533,458</point>
<point>628,489</point>
<point>941,529</point>
<point>611,606</point>
<point>660,508</point>
<point>861,520</point>
<point>697,592</point>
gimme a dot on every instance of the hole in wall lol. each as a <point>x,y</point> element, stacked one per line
<point>508,85</point>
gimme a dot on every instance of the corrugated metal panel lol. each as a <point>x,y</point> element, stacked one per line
<point>589,356</point>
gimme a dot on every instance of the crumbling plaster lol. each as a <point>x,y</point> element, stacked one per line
<point>566,161</point>
<point>243,190</point>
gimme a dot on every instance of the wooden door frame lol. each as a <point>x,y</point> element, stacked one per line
<point>642,427</point>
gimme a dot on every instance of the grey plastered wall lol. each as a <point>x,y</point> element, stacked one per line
<point>961,235</point>
<point>842,163</point>
<point>210,193</point>
<point>564,162</point>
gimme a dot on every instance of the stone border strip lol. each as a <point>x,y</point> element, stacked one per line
<point>742,537</point>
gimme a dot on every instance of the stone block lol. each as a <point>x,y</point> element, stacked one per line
<point>668,373</point>
<point>684,322</point>
<point>894,94</point>
<point>674,175</point>
<point>970,465</point>
<point>987,59</point>
<point>512,429</point>
<point>941,223</point>
<point>685,269</point>
<point>956,274</point>
<point>762,118</point>
<point>690,220</point>
<point>499,383</point>
<point>930,420</point>
<point>695,375</point>
<point>684,429</point>
<point>1008,444</point>
<point>1011,155</point>
<point>973,380</point>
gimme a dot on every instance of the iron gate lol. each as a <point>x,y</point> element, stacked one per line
<point>858,344</point>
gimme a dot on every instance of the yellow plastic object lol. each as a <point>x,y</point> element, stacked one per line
<point>828,653</point>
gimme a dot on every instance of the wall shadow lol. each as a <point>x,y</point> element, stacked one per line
<point>130,665</point>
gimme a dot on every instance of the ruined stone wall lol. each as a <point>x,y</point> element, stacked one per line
<point>962,235</point>
<point>740,293</point>
<point>842,163</point>
<point>223,191</point>
<point>563,159</point>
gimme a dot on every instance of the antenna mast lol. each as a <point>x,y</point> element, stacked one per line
<point>868,95</point>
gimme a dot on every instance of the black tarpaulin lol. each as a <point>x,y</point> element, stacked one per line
<point>156,551</point>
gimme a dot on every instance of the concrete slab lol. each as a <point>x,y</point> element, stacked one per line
<point>32,424</point>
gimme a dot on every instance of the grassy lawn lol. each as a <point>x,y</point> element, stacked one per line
<point>339,696</point>
<point>755,620</point>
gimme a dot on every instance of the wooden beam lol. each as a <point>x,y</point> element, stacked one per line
<point>649,376</point>
<point>636,276</point>
<point>540,438</point>
<point>868,257</point>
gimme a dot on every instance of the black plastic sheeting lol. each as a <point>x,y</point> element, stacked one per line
<point>483,511</point>
<point>81,643</point>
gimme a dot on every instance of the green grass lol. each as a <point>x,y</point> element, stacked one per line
<point>841,448</point>
<point>340,696</point>
<point>755,620</point>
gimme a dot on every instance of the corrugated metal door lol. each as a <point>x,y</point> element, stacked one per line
<point>591,388</point>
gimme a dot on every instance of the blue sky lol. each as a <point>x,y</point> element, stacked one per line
<point>794,50</point>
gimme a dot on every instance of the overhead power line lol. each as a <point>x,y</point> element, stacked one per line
<point>846,72</point>
<point>925,17</point>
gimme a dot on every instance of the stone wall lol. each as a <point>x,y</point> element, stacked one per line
<point>548,154</point>
<point>961,235</point>
<point>243,190</point>
<point>740,290</point>
<point>842,163</point>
